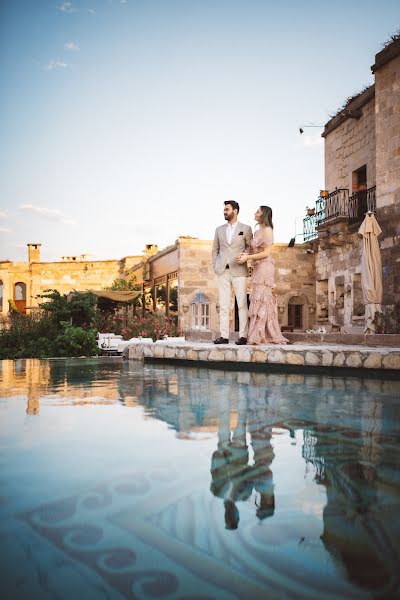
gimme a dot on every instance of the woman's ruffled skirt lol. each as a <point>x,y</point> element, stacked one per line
<point>263,312</point>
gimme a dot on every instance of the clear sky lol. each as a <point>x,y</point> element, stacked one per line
<point>125,122</point>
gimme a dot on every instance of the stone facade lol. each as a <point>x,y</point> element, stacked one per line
<point>362,172</point>
<point>64,276</point>
<point>295,282</point>
<point>350,144</point>
<point>196,275</point>
<point>339,297</point>
<point>387,84</point>
<point>188,263</point>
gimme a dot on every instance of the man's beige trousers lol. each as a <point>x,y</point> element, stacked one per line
<point>239,284</point>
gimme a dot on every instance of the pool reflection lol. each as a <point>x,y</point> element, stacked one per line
<point>348,429</point>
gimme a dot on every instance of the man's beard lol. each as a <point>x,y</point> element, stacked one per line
<point>228,217</point>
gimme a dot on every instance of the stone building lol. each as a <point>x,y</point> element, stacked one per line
<point>179,280</point>
<point>362,172</point>
<point>22,282</point>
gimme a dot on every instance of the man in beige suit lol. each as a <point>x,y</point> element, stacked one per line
<point>229,242</point>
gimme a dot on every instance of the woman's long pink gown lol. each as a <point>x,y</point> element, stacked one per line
<point>263,312</point>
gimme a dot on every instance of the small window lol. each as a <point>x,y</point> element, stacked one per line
<point>359,179</point>
<point>200,312</point>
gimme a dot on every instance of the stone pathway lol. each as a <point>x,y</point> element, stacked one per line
<point>324,355</point>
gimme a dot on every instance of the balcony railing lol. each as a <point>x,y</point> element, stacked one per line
<point>339,204</point>
<point>309,228</point>
<point>336,205</point>
<point>360,203</point>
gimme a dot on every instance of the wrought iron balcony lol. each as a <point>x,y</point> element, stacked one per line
<point>309,228</point>
<point>339,204</point>
<point>360,203</point>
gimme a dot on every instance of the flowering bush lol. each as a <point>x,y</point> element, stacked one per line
<point>154,325</point>
<point>111,322</point>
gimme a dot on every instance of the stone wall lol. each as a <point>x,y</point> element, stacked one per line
<point>387,84</point>
<point>297,356</point>
<point>195,275</point>
<point>338,281</point>
<point>295,281</point>
<point>349,146</point>
<point>63,276</point>
<point>294,276</point>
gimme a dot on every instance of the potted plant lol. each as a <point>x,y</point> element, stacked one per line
<point>310,211</point>
<point>323,193</point>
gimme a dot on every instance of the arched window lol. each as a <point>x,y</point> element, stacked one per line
<point>200,312</point>
<point>20,291</point>
<point>20,296</point>
<point>1,295</point>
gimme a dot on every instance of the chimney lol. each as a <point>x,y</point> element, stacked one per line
<point>151,249</point>
<point>34,252</point>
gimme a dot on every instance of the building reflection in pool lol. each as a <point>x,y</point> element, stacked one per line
<point>350,430</point>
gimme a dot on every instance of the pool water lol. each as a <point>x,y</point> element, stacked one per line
<point>122,480</point>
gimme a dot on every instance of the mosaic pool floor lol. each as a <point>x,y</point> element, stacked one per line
<point>120,480</point>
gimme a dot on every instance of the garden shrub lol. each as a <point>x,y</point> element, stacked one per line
<point>63,327</point>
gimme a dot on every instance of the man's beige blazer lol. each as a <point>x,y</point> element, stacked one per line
<point>224,254</point>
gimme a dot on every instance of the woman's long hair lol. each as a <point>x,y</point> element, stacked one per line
<point>267,216</point>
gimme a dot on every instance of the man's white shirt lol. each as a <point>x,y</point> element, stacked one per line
<point>230,230</point>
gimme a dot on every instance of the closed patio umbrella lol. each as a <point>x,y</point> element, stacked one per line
<point>371,270</point>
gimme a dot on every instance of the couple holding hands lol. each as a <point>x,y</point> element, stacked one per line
<point>233,246</point>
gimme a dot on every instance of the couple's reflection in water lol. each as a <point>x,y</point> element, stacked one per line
<point>348,431</point>
<point>232,477</point>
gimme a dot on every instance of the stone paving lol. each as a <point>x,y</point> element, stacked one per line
<point>357,357</point>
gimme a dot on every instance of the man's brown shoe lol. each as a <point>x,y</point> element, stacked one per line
<point>241,342</point>
<point>221,340</point>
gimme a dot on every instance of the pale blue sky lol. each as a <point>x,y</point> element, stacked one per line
<point>124,123</point>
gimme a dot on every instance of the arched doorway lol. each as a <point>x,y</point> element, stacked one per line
<point>20,296</point>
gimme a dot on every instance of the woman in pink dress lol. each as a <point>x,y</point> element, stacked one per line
<point>263,312</point>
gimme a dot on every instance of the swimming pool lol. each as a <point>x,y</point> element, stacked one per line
<point>123,480</point>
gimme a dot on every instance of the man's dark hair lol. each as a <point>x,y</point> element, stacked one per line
<point>233,203</point>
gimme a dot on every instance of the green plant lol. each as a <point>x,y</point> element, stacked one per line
<point>12,308</point>
<point>76,341</point>
<point>24,335</point>
<point>63,327</point>
<point>78,308</point>
<point>125,285</point>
